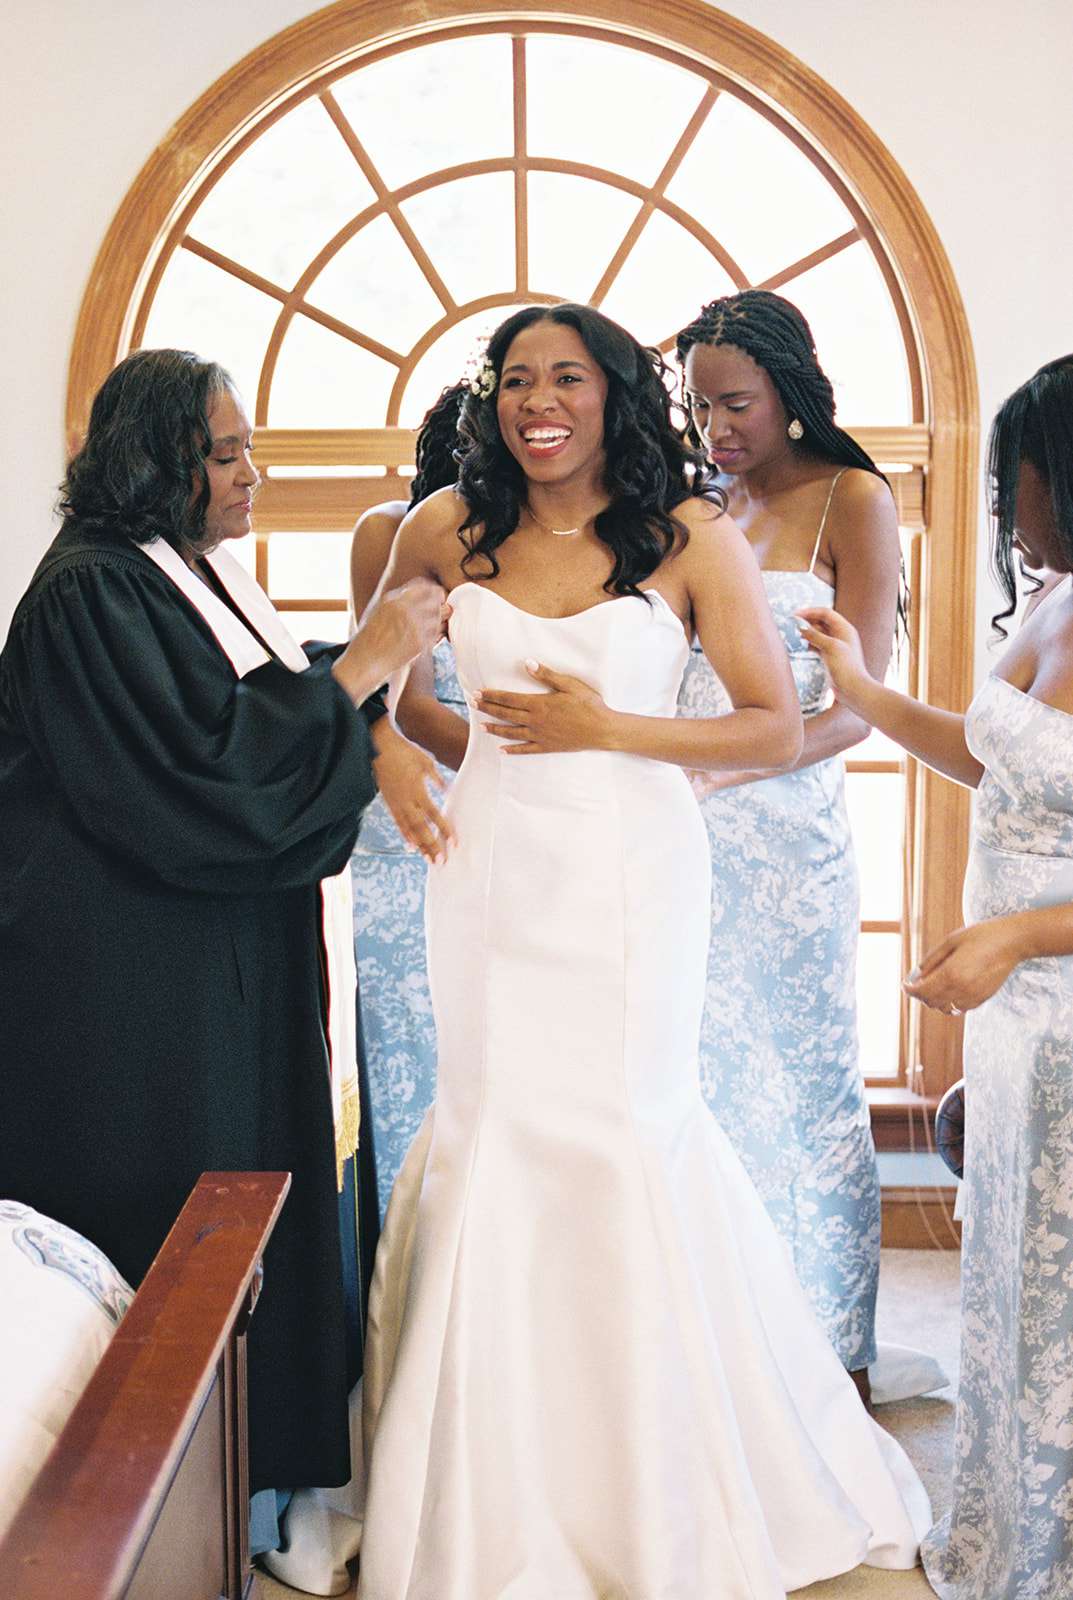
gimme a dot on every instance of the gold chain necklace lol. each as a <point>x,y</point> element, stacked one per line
<point>558,533</point>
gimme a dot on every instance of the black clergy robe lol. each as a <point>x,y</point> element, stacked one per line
<point>164,827</point>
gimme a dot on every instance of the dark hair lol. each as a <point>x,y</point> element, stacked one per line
<point>775,334</point>
<point>778,338</point>
<point>1035,424</point>
<point>437,444</point>
<point>649,468</point>
<point>140,472</point>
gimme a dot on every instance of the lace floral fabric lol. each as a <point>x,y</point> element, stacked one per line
<point>778,1055</point>
<point>388,877</point>
<point>1009,1534</point>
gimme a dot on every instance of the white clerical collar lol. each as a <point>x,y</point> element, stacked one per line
<point>241,646</point>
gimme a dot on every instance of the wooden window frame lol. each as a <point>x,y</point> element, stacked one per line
<point>938,451</point>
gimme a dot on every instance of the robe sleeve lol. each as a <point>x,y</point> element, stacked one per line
<point>201,779</point>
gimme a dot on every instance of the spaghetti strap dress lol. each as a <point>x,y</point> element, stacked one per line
<point>778,1048</point>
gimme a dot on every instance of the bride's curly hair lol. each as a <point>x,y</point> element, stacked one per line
<point>649,466</point>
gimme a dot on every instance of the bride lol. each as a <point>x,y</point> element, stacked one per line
<point>591,1373</point>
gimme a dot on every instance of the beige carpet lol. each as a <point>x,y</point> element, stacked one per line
<point>918,1306</point>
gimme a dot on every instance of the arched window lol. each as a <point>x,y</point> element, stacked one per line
<point>367,202</point>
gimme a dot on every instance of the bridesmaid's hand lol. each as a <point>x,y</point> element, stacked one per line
<point>838,645</point>
<point>703,782</point>
<point>405,776</point>
<point>967,968</point>
<point>571,716</point>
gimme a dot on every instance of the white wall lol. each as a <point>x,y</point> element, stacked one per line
<point>983,133</point>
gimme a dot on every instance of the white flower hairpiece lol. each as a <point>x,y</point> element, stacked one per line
<point>482,379</point>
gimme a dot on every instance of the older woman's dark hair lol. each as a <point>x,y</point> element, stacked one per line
<point>1035,424</point>
<point>649,468</point>
<point>438,444</point>
<point>140,473</point>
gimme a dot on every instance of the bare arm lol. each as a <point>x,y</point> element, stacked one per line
<point>718,577</point>
<point>399,620</point>
<point>428,722</point>
<point>971,964</point>
<point>935,737</point>
<point>370,547</point>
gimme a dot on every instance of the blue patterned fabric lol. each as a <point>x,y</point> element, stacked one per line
<point>389,948</point>
<point>1009,1533</point>
<point>57,1248</point>
<point>778,1054</point>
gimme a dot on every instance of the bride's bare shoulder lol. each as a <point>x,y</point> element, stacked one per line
<point>433,525</point>
<point>713,533</point>
<point>443,511</point>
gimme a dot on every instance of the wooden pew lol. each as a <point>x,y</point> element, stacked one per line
<point>145,1495</point>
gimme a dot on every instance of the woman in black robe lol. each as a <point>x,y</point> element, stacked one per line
<point>171,794</point>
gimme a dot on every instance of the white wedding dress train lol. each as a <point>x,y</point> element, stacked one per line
<point>591,1373</point>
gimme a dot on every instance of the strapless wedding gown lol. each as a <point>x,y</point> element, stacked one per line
<point>591,1373</point>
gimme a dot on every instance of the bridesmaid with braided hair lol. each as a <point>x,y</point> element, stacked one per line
<point>388,866</point>
<point>778,1053</point>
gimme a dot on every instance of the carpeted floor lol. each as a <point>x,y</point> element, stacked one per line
<point>918,1306</point>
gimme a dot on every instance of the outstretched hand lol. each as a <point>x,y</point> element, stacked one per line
<point>838,644</point>
<point>569,716</point>
<point>966,968</point>
<point>406,777</point>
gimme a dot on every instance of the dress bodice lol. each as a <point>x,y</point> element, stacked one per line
<point>632,650</point>
<point>1022,840</point>
<point>702,693</point>
<point>1025,798</point>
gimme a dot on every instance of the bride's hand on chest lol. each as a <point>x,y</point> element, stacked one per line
<point>566,715</point>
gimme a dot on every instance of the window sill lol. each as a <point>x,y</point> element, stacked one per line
<point>901,1119</point>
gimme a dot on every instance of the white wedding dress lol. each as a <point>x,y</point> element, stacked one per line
<point>591,1373</point>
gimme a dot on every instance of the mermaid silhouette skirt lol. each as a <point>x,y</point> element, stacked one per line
<point>591,1373</point>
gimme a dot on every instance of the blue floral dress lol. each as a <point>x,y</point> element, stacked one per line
<point>1009,1534</point>
<point>389,949</point>
<point>778,1053</point>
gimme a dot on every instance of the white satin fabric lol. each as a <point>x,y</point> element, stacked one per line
<point>591,1373</point>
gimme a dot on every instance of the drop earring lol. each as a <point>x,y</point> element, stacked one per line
<point>796,430</point>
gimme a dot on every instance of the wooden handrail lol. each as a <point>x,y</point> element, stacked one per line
<point>82,1528</point>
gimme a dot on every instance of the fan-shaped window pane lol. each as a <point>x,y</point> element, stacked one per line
<point>446,361</point>
<point>374,284</point>
<point>324,381</point>
<point>433,107</point>
<point>285,196</point>
<point>467,228</point>
<point>606,106</point>
<point>198,307</point>
<point>666,279</point>
<point>761,196</point>
<point>856,331</point>
<point>575,227</point>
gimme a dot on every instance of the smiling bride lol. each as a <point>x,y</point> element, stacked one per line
<point>591,1372</point>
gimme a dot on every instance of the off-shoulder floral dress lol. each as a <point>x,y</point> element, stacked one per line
<point>1009,1534</point>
